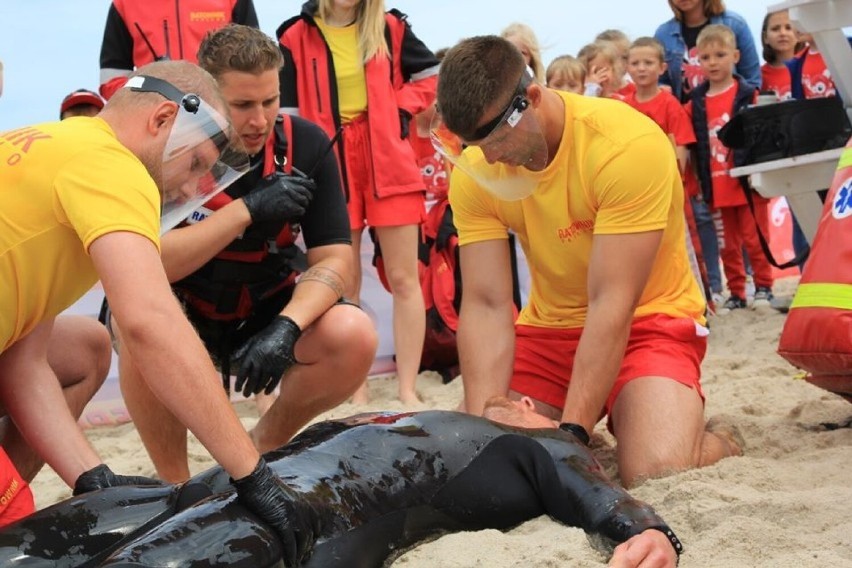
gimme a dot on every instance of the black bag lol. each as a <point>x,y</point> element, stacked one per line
<point>789,128</point>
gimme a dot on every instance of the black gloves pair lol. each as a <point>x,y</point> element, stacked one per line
<point>101,477</point>
<point>266,356</point>
<point>279,198</point>
<point>295,521</point>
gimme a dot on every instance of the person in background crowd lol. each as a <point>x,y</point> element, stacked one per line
<point>566,73</point>
<point>81,102</point>
<point>780,44</point>
<point>138,32</point>
<point>353,68</point>
<point>604,70</point>
<point>524,38</point>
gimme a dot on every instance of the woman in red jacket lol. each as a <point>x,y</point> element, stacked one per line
<point>350,66</point>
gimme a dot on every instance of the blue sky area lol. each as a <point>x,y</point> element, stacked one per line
<point>50,48</point>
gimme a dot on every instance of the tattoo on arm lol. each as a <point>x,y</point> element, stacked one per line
<point>325,275</point>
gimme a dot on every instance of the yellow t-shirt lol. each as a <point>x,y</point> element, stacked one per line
<point>348,69</point>
<point>614,173</point>
<point>63,185</point>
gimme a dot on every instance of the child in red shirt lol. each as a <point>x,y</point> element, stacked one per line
<point>712,105</point>
<point>780,44</point>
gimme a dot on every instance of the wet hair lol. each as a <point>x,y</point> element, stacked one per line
<point>711,8</point>
<point>653,43</point>
<point>476,73</point>
<point>716,34</point>
<point>239,48</point>
<point>527,36</point>
<point>769,54</point>
<point>566,66</point>
<point>370,18</point>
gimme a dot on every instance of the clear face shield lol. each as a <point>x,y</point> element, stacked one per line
<point>198,161</point>
<point>502,154</point>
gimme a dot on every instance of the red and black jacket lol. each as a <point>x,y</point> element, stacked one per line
<point>137,33</point>
<point>406,81</point>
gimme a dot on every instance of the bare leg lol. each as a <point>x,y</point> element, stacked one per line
<point>653,443</point>
<point>161,432</point>
<point>399,250</point>
<point>79,353</point>
<point>263,402</point>
<point>362,394</point>
<point>336,353</point>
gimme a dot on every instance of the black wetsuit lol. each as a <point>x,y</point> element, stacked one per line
<point>377,485</point>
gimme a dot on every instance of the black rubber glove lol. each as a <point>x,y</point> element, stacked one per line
<point>578,431</point>
<point>404,122</point>
<point>279,197</point>
<point>295,521</point>
<point>266,356</point>
<point>101,477</point>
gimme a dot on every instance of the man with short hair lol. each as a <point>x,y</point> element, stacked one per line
<point>234,265</point>
<point>80,200</point>
<point>614,324</point>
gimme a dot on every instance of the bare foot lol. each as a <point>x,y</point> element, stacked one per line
<point>361,396</point>
<point>724,428</point>
<point>410,398</point>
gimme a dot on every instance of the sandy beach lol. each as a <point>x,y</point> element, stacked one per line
<point>785,503</point>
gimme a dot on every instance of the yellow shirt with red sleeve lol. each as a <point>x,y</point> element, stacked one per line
<point>348,69</point>
<point>62,186</point>
<point>614,173</point>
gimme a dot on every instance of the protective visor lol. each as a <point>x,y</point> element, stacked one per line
<point>502,154</point>
<point>198,160</point>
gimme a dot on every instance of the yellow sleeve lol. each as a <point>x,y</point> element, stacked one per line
<point>633,188</point>
<point>105,192</point>
<point>474,213</point>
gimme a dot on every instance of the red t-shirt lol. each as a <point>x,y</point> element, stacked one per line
<point>665,110</point>
<point>727,191</point>
<point>816,79</point>
<point>776,79</point>
<point>431,165</point>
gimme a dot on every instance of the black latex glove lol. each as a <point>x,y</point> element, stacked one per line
<point>266,356</point>
<point>279,197</point>
<point>285,511</point>
<point>101,477</point>
<point>404,121</point>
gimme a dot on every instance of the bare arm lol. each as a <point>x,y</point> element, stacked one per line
<point>187,249</point>
<point>32,395</point>
<point>171,357</point>
<point>618,271</point>
<point>486,334</point>
<point>319,288</point>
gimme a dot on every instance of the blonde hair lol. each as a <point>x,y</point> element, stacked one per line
<point>711,8</point>
<point>651,42</point>
<point>608,50</point>
<point>370,18</point>
<point>716,34</point>
<point>566,66</point>
<point>527,38</point>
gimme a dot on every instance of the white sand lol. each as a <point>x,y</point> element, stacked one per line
<point>784,504</point>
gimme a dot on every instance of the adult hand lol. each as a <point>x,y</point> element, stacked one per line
<point>648,549</point>
<point>279,197</point>
<point>404,123</point>
<point>292,518</point>
<point>266,356</point>
<point>101,477</point>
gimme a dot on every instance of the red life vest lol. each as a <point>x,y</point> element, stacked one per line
<point>177,36</point>
<point>251,268</point>
<point>817,334</point>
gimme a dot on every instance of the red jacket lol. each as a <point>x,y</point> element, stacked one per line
<point>125,47</point>
<point>405,81</point>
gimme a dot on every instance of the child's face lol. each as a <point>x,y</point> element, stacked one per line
<point>717,61</point>
<point>601,68</point>
<point>644,66</point>
<point>566,82</point>
<point>780,33</point>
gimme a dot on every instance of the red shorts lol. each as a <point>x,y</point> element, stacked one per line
<point>363,205</point>
<point>659,346</point>
<point>16,499</point>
